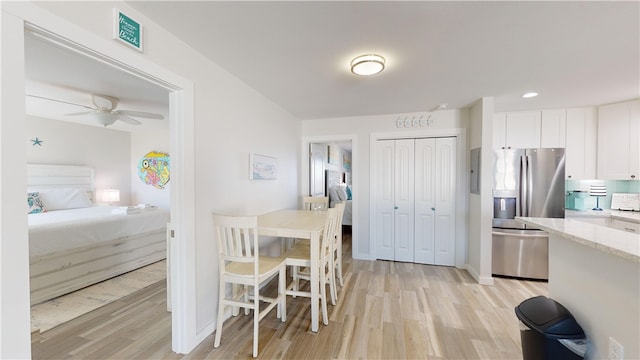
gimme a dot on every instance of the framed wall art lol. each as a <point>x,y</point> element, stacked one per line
<point>262,167</point>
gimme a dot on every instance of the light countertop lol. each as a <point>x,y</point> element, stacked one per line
<point>615,242</point>
<point>632,216</point>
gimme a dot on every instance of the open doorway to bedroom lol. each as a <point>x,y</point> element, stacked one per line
<point>331,171</point>
<point>102,175</point>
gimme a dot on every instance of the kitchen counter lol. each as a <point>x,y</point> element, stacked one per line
<point>612,241</point>
<point>594,271</point>
<point>632,216</point>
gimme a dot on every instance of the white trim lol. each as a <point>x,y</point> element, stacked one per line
<point>482,280</point>
<point>304,180</point>
<point>182,251</point>
<point>461,188</point>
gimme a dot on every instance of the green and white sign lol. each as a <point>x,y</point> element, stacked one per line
<point>127,30</point>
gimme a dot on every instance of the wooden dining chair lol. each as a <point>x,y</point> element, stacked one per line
<point>241,265</point>
<point>300,256</point>
<point>315,203</point>
<point>337,245</point>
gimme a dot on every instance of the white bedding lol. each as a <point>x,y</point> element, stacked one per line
<point>60,230</point>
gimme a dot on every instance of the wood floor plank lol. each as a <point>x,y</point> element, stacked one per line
<point>385,310</point>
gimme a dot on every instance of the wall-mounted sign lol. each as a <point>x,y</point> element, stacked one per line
<point>127,30</point>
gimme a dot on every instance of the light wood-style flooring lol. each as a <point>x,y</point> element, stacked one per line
<point>386,310</point>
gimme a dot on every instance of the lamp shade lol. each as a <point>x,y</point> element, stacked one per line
<point>598,190</point>
<point>111,195</point>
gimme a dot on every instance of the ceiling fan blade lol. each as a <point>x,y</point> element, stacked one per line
<point>128,120</point>
<point>141,114</point>
<point>79,113</point>
<point>60,101</point>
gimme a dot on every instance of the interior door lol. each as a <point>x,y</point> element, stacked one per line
<point>317,155</point>
<point>435,180</point>
<point>404,200</point>
<point>425,202</point>
<point>385,204</point>
<point>445,200</point>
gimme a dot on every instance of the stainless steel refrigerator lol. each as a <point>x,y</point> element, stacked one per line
<point>527,182</point>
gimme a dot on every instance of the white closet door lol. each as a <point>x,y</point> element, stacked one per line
<point>445,185</point>
<point>385,202</point>
<point>404,200</point>
<point>424,201</point>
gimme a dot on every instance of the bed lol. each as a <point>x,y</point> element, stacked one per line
<point>338,189</point>
<point>74,243</point>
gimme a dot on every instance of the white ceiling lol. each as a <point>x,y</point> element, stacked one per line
<point>60,74</point>
<point>297,54</point>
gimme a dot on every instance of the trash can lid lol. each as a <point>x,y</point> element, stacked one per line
<point>549,317</point>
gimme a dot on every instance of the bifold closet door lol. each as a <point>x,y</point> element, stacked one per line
<point>395,200</point>
<point>385,201</point>
<point>435,181</point>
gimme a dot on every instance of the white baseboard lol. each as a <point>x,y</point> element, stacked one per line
<point>482,280</point>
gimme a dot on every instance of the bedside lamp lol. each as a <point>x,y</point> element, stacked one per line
<point>598,191</point>
<point>111,196</point>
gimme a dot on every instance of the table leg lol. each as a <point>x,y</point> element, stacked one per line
<point>315,279</point>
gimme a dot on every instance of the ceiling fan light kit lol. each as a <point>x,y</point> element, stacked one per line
<point>367,65</point>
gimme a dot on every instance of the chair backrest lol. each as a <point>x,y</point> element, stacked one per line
<point>330,232</point>
<point>315,203</point>
<point>237,239</point>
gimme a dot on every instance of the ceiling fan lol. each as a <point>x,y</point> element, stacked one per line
<point>105,110</point>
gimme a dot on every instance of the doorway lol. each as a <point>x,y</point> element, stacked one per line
<point>22,19</point>
<point>347,175</point>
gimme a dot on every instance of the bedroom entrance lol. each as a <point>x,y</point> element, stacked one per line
<point>330,171</point>
<point>179,95</point>
<point>125,191</point>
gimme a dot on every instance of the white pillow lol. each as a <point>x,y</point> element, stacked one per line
<point>62,199</point>
<point>341,191</point>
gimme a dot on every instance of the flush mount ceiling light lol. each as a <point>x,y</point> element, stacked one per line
<point>366,65</point>
<point>530,94</point>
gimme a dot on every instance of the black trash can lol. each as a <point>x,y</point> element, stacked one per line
<point>548,331</point>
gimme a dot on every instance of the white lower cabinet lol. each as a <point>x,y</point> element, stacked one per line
<point>415,200</point>
<point>618,141</point>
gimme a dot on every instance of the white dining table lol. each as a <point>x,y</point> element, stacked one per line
<point>299,224</point>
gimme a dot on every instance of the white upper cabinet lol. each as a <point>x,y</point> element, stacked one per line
<point>516,130</point>
<point>580,152</point>
<point>553,125</point>
<point>618,141</point>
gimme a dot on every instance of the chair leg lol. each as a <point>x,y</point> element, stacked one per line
<point>296,281</point>
<point>339,265</point>
<point>256,322</point>
<point>323,300</point>
<point>332,283</point>
<point>221,307</point>
<point>282,292</point>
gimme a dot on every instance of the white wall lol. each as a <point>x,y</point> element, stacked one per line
<point>143,142</point>
<point>231,121</point>
<point>361,128</point>
<point>106,150</point>
<point>480,206</point>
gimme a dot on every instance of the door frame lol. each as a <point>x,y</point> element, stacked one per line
<point>304,177</point>
<point>461,183</point>
<point>29,17</point>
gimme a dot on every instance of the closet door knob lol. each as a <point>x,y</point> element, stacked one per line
<point>433,209</point>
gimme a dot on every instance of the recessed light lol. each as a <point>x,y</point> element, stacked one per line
<point>530,95</point>
<point>366,65</point>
